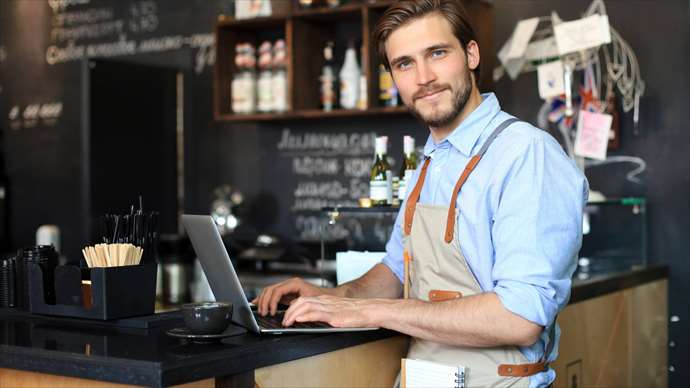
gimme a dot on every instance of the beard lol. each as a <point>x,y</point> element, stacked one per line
<point>438,118</point>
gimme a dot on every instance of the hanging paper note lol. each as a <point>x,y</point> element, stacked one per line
<point>550,77</point>
<point>512,66</point>
<point>592,136</point>
<point>521,36</point>
<point>582,34</point>
<point>542,49</point>
<point>512,53</point>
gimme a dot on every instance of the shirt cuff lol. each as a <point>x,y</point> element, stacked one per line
<point>527,301</point>
<point>393,266</point>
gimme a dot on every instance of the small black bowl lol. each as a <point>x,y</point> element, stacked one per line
<point>207,317</point>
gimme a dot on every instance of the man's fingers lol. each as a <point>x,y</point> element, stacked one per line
<point>257,300</point>
<point>313,316</point>
<point>302,308</point>
<point>279,292</point>
<point>265,300</point>
<point>297,307</point>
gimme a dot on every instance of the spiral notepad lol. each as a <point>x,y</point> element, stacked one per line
<point>418,374</point>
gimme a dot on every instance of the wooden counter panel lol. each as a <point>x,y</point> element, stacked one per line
<point>375,364</point>
<point>19,379</point>
<point>615,340</point>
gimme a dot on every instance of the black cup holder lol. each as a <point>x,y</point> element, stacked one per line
<point>113,293</point>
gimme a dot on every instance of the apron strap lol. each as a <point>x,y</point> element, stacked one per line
<point>524,370</point>
<point>450,222</point>
<point>414,197</point>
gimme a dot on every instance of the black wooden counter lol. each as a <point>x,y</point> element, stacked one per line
<point>605,283</point>
<point>151,358</point>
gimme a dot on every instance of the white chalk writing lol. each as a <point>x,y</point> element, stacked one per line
<point>315,166</point>
<point>338,143</point>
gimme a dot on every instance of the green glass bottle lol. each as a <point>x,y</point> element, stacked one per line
<point>381,183</point>
<point>408,166</point>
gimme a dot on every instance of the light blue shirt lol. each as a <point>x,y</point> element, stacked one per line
<point>519,217</point>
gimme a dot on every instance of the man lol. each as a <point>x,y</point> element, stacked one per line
<point>484,247</point>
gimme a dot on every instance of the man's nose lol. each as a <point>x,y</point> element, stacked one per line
<point>425,73</point>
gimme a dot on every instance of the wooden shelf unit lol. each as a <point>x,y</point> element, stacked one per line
<point>306,32</point>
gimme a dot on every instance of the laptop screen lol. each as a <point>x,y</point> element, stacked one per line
<point>218,268</point>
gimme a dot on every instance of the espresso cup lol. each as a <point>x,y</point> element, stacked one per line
<point>206,318</point>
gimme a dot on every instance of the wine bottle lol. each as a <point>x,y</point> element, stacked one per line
<point>237,85</point>
<point>265,82</point>
<point>388,93</point>
<point>250,79</point>
<point>280,92</point>
<point>328,79</point>
<point>349,79</point>
<point>380,185</point>
<point>408,166</point>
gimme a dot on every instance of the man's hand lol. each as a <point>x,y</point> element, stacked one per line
<point>336,311</point>
<point>284,292</point>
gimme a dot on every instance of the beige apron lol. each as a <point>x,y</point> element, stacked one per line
<point>436,271</point>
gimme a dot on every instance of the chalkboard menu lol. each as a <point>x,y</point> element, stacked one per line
<point>42,47</point>
<point>288,172</point>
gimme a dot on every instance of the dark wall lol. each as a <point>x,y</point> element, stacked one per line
<point>659,33</point>
<point>44,167</point>
<point>42,46</point>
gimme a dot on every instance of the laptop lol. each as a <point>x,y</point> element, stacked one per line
<point>225,284</point>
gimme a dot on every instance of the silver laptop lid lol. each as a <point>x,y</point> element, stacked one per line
<point>223,279</point>
<point>218,268</point>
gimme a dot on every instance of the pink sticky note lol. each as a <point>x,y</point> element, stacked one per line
<point>592,136</point>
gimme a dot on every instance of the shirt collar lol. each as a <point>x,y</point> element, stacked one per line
<point>467,134</point>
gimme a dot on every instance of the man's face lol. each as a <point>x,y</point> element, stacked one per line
<point>431,70</point>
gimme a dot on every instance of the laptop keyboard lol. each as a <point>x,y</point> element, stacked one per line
<point>276,322</point>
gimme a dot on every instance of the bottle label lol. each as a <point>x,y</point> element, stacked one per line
<point>348,92</point>
<point>327,91</point>
<point>280,91</point>
<point>385,85</point>
<point>250,94</point>
<point>378,190</point>
<point>237,96</point>
<point>407,176</point>
<point>265,92</point>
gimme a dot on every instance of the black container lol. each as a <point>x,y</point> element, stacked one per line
<point>47,258</point>
<point>116,292</point>
<point>7,281</point>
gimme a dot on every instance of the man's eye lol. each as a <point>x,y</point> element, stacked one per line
<point>404,65</point>
<point>438,53</point>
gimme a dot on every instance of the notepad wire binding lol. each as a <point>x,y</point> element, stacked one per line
<point>459,379</point>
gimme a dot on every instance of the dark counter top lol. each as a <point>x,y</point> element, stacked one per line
<point>149,357</point>
<point>598,284</point>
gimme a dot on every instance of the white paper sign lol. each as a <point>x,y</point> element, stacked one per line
<point>520,39</point>
<point>512,66</point>
<point>582,34</point>
<point>592,136</point>
<point>542,49</point>
<point>550,77</point>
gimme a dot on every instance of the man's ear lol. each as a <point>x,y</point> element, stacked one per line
<point>472,51</point>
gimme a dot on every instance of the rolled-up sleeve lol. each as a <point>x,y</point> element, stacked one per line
<point>537,229</point>
<point>394,248</point>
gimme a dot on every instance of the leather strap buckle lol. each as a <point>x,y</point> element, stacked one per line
<point>443,295</point>
<point>521,370</point>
